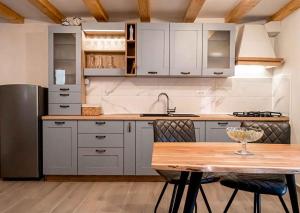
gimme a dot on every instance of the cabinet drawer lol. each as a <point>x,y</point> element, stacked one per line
<point>222,124</point>
<point>65,88</point>
<point>100,140</point>
<point>64,109</point>
<point>216,130</point>
<point>100,161</point>
<point>100,126</point>
<point>64,97</point>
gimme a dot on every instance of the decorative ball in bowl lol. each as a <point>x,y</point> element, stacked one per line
<point>244,135</point>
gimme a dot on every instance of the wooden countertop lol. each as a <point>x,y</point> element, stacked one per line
<point>136,117</point>
<point>220,157</point>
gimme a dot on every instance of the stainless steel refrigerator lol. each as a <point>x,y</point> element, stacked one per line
<point>21,108</point>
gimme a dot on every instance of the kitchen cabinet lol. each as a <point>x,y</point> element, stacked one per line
<point>64,74</point>
<point>129,147</point>
<point>144,145</point>
<point>144,148</point>
<point>218,50</point>
<point>185,49</point>
<point>100,148</point>
<point>60,147</point>
<point>216,130</point>
<point>153,49</point>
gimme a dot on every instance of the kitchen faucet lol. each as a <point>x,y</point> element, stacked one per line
<point>169,111</point>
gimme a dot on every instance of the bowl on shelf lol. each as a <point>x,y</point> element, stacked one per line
<point>244,135</point>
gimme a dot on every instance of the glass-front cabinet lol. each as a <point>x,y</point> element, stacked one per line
<point>64,70</point>
<point>64,58</point>
<point>218,50</point>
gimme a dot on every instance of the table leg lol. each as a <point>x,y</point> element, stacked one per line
<point>180,190</point>
<point>290,179</point>
<point>193,190</point>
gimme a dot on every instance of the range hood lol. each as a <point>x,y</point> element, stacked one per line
<point>254,47</point>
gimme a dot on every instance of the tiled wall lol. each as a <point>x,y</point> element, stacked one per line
<point>190,95</point>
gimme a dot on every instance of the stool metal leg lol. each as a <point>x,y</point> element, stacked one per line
<point>230,200</point>
<point>160,196</point>
<point>255,204</point>
<point>283,204</point>
<point>205,199</point>
<point>258,205</point>
<point>173,198</point>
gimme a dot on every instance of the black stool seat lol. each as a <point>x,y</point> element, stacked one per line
<point>271,184</point>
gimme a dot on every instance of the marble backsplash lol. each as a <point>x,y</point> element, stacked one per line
<point>190,95</point>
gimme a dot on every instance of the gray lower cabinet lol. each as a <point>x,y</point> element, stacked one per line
<point>144,148</point>
<point>216,130</point>
<point>144,145</point>
<point>100,161</point>
<point>129,147</point>
<point>60,147</point>
<point>100,148</point>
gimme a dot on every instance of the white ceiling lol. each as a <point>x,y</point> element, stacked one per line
<point>172,10</point>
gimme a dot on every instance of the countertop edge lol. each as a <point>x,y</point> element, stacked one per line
<point>136,117</point>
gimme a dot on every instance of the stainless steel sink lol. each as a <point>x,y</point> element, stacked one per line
<point>166,115</point>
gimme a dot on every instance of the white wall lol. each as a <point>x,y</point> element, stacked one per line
<point>288,47</point>
<point>24,53</point>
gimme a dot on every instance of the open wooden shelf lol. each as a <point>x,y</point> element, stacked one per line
<point>89,72</point>
<point>270,62</point>
<point>104,51</point>
<point>130,50</point>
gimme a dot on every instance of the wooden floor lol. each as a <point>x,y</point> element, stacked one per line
<point>90,197</point>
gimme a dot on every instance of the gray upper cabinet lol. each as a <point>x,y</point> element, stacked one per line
<point>185,49</point>
<point>60,147</point>
<point>64,58</point>
<point>218,50</point>
<point>144,148</point>
<point>153,49</point>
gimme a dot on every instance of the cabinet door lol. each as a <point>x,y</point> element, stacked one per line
<point>200,130</point>
<point>60,147</point>
<point>129,147</point>
<point>153,49</point>
<point>64,58</point>
<point>216,130</point>
<point>218,50</point>
<point>185,49</point>
<point>144,148</point>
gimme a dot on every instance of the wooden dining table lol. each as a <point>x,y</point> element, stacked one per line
<point>195,158</point>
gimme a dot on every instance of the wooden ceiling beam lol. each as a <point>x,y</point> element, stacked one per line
<point>285,11</point>
<point>144,10</point>
<point>10,15</point>
<point>49,10</point>
<point>96,9</point>
<point>193,10</point>
<point>240,10</point>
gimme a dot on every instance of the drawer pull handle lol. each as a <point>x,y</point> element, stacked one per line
<point>64,89</point>
<point>218,73</point>
<point>59,122</point>
<point>100,150</point>
<point>64,95</point>
<point>129,127</point>
<point>152,73</point>
<point>150,123</point>
<point>100,136</point>
<point>64,106</point>
<point>185,73</point>
<point>100,123</point>
<point>222,123</point>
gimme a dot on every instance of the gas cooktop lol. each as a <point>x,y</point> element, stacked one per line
<point>257,114</point>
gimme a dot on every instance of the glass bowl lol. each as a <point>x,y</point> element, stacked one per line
<point>244,135</point>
